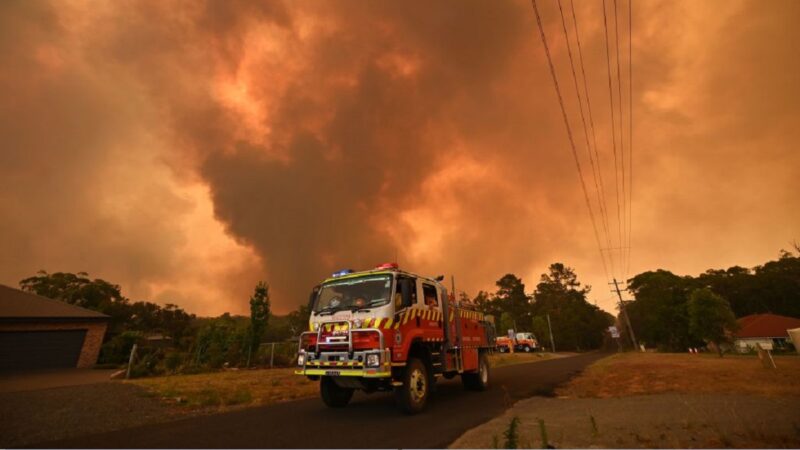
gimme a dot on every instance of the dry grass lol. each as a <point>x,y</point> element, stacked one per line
<point>656,373</point>
<point>220,391</point>
<point>226,390</point>
<point>507,359</point>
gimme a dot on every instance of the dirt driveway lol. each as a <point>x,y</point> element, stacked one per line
<point>46,379</point>
<point>31,416</point>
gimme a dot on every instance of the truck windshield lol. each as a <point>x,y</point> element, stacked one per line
<point>354,294</point>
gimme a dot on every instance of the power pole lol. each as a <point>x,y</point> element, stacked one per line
<point>625,313</point>
<point>552,341</point>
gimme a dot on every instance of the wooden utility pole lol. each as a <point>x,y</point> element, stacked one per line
<point>624,312</point>
<point>130,361</point>
<point>549,327</point>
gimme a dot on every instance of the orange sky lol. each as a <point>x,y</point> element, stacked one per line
<point>186,150</point>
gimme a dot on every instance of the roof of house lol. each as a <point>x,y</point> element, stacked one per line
<point>17,304</point>
<point>765,326</point>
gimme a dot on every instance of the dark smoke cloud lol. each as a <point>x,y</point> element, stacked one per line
<point>188,149</point>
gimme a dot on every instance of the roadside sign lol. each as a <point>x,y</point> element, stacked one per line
<point>614,332</point>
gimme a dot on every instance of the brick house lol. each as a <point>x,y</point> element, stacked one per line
<point>41,333</point>
<point>765,329</point>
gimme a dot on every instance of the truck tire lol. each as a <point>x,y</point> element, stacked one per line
<point>333,395</point>
<point>503,349</point>
<point>526,348</point>
<point>413,395</point>
<point>479,380</point>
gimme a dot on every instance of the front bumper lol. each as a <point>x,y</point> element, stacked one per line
<point>345,364</point>
<point>335,372</point>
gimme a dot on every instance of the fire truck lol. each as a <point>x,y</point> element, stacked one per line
<point>522,342</point>
<point>386,329</point>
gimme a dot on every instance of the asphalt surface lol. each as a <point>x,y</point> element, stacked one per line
<point>370,421</point>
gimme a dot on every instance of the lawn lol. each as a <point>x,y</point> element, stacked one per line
<point>218,391</point>
<point>507,359</point>
<point>655,373</point>
<point>229,389</point>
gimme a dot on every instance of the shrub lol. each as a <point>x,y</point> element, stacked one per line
<point>118,349</point>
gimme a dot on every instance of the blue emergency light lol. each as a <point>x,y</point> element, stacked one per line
<point>342,273</point>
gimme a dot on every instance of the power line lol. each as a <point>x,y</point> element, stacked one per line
<point>613,127</point>
<point>621,136</point>
<point>630,129</point>
<point>569,132</point>
<point>583,122</point>
<point>591,127</point>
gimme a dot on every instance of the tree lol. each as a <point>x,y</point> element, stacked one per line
<point>485,303</point>
<point>512,299</point>
<point>710,318</point>
<point>298,320</point>
<point>259,316</point>
<point>79,290</point>
<point>576,323</point>
<point>506,323</point>
<point>659,312</point>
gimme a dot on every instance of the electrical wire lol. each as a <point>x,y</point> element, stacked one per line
<point>583,122</point>
<point>569,133</point>
<point>622,244</point>
<point>591,127</point>
<point>630,131</point>
<point>613,130</point>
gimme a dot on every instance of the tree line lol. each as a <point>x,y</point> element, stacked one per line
<point>669,311</point>
<point>193,344</point>
<point>576,323</point>
<point>673,312</point>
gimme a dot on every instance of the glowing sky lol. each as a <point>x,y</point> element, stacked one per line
<point>186,149</point>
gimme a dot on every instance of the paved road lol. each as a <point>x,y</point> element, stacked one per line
<point>369,421</point>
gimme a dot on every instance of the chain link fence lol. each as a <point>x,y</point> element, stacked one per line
<point>276,354</point>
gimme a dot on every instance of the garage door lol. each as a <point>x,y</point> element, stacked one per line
<point>23,350</point>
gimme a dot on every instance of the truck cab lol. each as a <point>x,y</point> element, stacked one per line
<point>387,329</point>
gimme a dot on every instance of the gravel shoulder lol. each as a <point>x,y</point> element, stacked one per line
<point>647,421</point>
<point>30,417</point>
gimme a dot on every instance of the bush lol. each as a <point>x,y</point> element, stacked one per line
<point>173,361</point>
<point>118,349</point>
<point>147,363</point>
<point>219,341</point>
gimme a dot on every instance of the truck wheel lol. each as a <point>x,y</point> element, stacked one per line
<point>478,381</point>
<point>503,349</point>
<point>526,348</point>
<point>413,395</point>
<point>333,395</point>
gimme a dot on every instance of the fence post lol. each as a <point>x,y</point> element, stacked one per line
<point>272,355</point>
<point>130,361</point>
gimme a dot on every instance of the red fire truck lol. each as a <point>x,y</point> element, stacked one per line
<point>386,329</point>
<point>521,342</point>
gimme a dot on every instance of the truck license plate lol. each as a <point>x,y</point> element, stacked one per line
<point>333,373</point>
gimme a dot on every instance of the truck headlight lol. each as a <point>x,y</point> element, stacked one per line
<point>301,359</point>
<point>373,360</point>
<point>316,326</point>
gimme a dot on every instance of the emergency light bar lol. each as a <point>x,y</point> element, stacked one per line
<point>342,273</point>
<point>387,266</point>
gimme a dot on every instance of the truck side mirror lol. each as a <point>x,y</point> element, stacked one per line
<point>405,291</point>
<point>312,298</point>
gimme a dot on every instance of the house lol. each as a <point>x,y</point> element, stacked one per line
<point>41,333</point>
<point>767,329</point>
